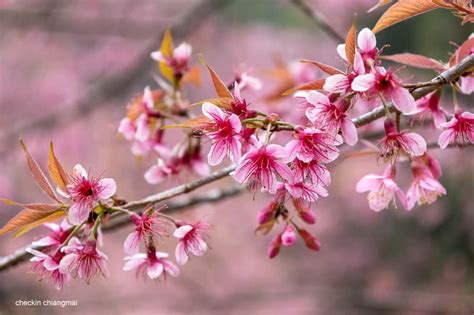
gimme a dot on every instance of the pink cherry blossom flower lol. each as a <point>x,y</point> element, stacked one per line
<point>460,129</point>
<point>158,172</point>
<point>316,172</point>
<point>433,165</point>
<point>341,83</point>
<point>191,240</point>
<point>366,46</point>
<point>48,266</point>
<point>147,226</point>
<point>396,142</point>
<point>84,191</point>
<point>224,131</point>
<point>429,106</point>
<point>301,72</point>
<point>382,189</point>
<point>153,264</point>
<point>260,165</point>
<point>297,188</point>
<point>313,144</point>
<point>178,61</point>
<point>384,82</point>
<point>245,81</point>
<point>329,116</point>
<point>84,259</point>
<point>59,233</point>
<point>267,213</point>
<point>425,188</point>
<point>288,237</point>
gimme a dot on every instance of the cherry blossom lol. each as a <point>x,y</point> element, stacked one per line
<point>460,129</point>
<point>191,240</point>
<point>425,188</point>
<point>260,165</point>
<point>178,61</point>
<point>148,227</point>
<point>84,191</point>
<point>48,266</point>
<point>224,131</point>
<point>84,259</point>
<point>152,264</point>
<point>429,106</point>
<point>382,189</point>
<point>59,233</point>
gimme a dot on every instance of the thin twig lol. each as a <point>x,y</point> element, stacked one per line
<point>319,19</point>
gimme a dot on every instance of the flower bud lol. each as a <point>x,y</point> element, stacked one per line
<point>274,246</point>
<point>288,237</point>
<point>309,239</point>
<point>266,213</point>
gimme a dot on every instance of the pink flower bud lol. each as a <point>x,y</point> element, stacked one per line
<point>305,213</point>
<point>266,213</point>
<point>288,237</point>
<point>274,246</point>
<point>309,239</point>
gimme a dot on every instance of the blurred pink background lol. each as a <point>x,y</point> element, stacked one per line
<point>395,262</point>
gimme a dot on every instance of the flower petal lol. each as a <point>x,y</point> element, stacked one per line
<point>182,231</point>
<point>108,187</point>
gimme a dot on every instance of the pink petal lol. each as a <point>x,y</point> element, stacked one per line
<point>212,112</point>
<point>336,83</point>
<point>154,175</point>
<point>65,263</point>
<point>171,269</point>
<point>143,130</point>
<point>217,153</point>
<point>417,145</point>
<point>363,82</point>
<point>127,129</point>
<point>154,270</point>
<point>366,40</point>
<point>359,67</point>
<point>45,241</point>
<point>50,264</point>
<point>157,55</point>
<point>180,253</point>
<point>182,231</point>
<point>467,84</point>
<point>445,137</point>
<point>368,182</point>
<point>315,97</point>
<point>183,51</point>
<point>349,131</point>
<point>131,245</point>
<point>235,148</point>
<point>134,262</point>
<point>108,188</point>
<point>403,100</point>
<point>341,50</point>
<point>78,170</point>
<point>235,123</point>
<point>79,212</point>
<point>411,197</point>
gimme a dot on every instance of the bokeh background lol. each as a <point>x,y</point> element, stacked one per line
<point>67,71</point>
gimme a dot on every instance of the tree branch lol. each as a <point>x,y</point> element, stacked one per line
<point>121,220</point>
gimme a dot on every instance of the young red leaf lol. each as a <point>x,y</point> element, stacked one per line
<point>50,218</point>
<point>402,10</point>
<point>166,50</point>
<point>351,43</point>
<point>197,122</point>
<point>465,49</point>
<point>56,171</point>
<point>28,217</point>
<point>324,67</point>
<point>222,102</point>
<point>219,86</point>
<point>32,206</point>
<point>417,61</point>
<point>313,85</point>
<point>38,174</point>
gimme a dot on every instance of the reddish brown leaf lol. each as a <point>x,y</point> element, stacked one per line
<point>324,67</point>
<point>197,122</point>
<point>50,218</point>
<point>56,171</point>
<point>32,206</point>
<point>26,217</point>
<point>222,102</point>
<point>219,86</point>
<point>465,49</point>
<point>313,85</point>
<point>351,43</point>
<point>417,61</point>
<point>38,174</point>
<point>402,10</point>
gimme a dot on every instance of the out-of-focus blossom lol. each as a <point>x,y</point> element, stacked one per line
<point>329,116</point>
<point>147,226</point>
<point>178,61</point>
<point>382,189</point>
<point>396,142</point>
<point>260,165</point>
<point>224,131</point>
<point>384,82</point>
<point>191,240</point>
<point>460,129</point>
<point>84,191</point>
<point>84,259</point>
<point>48,266</point>
<point>153,264</point>
<point>425,188</point>
<point>158,172</point>
<point>429,106</point>
<point>246,81</point>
